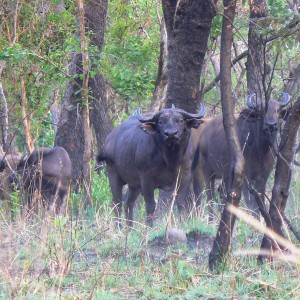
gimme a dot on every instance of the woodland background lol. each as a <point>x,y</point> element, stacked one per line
<point>72,70</point>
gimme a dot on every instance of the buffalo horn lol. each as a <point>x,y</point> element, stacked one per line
<point>150,118</point>
<point>286,99</point>
<point>250,103</point>
<point>173,106</point>
<point>198,115</point>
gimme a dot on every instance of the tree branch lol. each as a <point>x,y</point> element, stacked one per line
<point>217,79</point>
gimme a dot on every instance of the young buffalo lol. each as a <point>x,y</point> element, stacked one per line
<point>46,171</point>
<point>8,166</point>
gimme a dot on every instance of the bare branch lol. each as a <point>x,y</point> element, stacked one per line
<point>217,79</point>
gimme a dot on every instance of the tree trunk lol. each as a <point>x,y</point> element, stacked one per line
<point>70,128</point>
<point>26,118</point>
<point>222,240</point>
<point>86,109</point>
<point>256,61</point>
<point>100,119</point>
<point>161,83</point>
<point>188,26</point>
<point>4,117</point>
<point>70,133</point>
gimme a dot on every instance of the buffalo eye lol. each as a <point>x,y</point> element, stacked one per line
<point>180,121</point>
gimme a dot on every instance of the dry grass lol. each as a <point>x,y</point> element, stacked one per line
<point>292,252</point>
<point>88,258</point>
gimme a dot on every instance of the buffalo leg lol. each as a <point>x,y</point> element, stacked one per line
<point>117,203</point>
<point>53,197</point>
<point>116,186</point>
<point>59,194</point>
<point>148,193</point>
<point>185,198</point>
<point>261,188</point>
<point>183,202</point>
<point>62,196</point>
<point>48,192</point>
<point>132,194</point>
<point>198,186</point>
<point>250,201</point>
<point>210,188</point>
<point>209,184</point>
<point>30,198</point>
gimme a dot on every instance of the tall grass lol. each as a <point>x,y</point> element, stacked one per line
<point>83,256</point>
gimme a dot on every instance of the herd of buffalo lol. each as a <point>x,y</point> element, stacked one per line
<point>171,150</point>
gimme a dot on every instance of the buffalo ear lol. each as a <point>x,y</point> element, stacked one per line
<point>149,127</point>
<point>194,123</point>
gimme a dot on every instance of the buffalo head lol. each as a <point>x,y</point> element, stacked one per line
<point>274,110</point>
<point>171,123</point>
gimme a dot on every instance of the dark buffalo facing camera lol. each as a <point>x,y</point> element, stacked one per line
<point>46,171</point>
<point>257,129</point>
<point>148,152</point>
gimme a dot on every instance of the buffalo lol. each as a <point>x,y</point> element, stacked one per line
<point>148,152</point>
<point>8,166</point>
<point>46,171</point>
<point>257,131</point>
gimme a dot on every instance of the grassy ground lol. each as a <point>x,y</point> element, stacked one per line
<point>83,256</point>
<point>86,257</point>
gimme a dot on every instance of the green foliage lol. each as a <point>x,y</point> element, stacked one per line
<point>14,206</point>
<point>129,58</point>
<point>132,68</point>
<point>278,8</point>
<point>199,225</point>
<point>216,27</point>
<point>38,55</point>
<point>100,190</point>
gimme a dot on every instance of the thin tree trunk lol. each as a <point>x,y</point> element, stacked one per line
<point>223,238</point>
<point>217,78</point>
<point>100,118</point>
<point>4,117</point>
<point>26,118</point>
<point>55,110</point>
<point>86,111</point>
<point>161,84</point>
